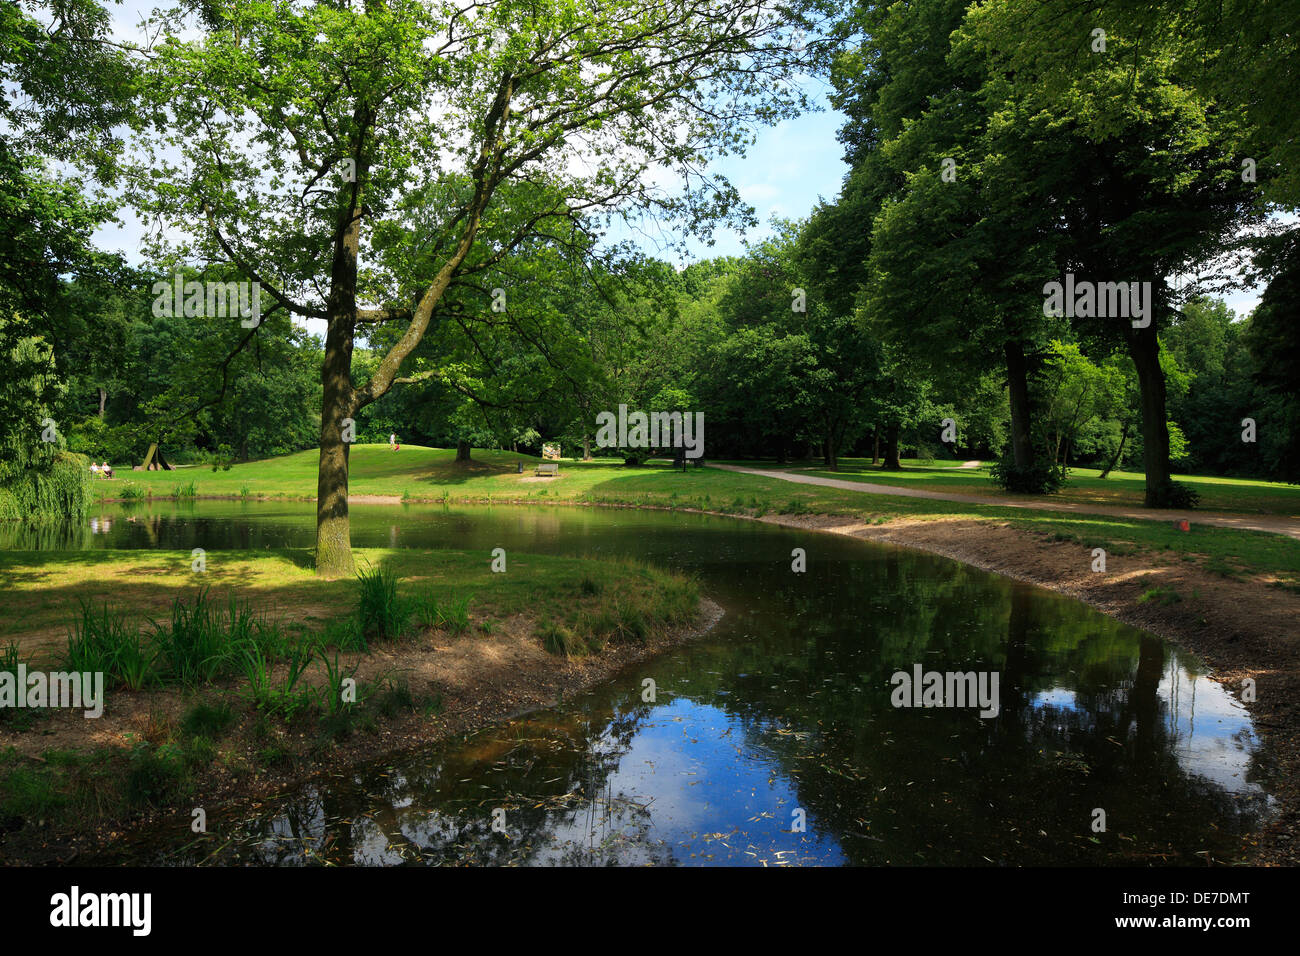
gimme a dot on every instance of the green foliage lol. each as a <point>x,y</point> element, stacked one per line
<point>278,695</point>
<point>200,642</point>
<point>1040,478</point>
<point>39,479</point>
<point>1173,494</point>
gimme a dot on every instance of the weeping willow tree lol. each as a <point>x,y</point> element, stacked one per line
<point>40,480</point>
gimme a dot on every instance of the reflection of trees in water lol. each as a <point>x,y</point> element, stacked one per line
<point>436,810</point>
<point>46,536</point>
<point>931,785</point>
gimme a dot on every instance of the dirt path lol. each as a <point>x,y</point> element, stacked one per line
<point>1269,524</point>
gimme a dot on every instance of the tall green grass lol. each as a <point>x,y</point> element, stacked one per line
<point>451,615</point>
<point>559,639</point>
<point>380,613</point>
<point>100,640</point>
<point>189,490</point>
<point>200,643</point>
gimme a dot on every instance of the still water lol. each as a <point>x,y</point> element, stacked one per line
<point>772,740</point>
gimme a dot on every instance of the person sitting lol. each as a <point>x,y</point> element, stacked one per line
<point>107,469</point>
<point>94,469</point>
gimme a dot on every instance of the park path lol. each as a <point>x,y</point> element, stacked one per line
<point>1269,524</point>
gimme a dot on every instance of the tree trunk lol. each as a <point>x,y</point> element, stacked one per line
<point>1144,348</point>
<point>1022,447</point>
<point>875,444</point>
<point>333,530</point>
<point>338,403</point>
<point>103,400</point>
<point>891,448</point>
<point>586,448</point>
<point>462,451</point>
<point>1119,452</point>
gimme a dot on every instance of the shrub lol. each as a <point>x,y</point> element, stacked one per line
<point>1040,478</point>
<point>42,482</point>
<point>1172,494</point>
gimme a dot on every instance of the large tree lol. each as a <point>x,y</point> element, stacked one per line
<point>293,139</point>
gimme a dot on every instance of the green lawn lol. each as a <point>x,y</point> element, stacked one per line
<point>43,590</point>
<point>431,474</point>
<point>1121,488</point>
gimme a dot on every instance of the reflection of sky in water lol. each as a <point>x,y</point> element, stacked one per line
<point>685,770</point>
<point>691,761</point>
<point>1209,731</point>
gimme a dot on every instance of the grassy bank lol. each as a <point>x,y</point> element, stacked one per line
<point>427,474</point>
<point>253,671</point>
<point>43,589</point>
<point>418,473</point>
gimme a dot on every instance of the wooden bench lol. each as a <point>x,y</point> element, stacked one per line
<point>548,469</point>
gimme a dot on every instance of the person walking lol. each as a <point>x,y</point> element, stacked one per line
<point>392,441</point>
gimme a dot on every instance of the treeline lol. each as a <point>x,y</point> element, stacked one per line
<point>782,367</point>
<point>1145,153</point>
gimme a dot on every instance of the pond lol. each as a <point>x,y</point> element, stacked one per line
<point>772,740</point>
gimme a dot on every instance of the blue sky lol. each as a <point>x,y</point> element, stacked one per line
<point>788,169</point>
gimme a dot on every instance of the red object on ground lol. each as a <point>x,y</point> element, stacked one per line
<point>1183,525</point>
